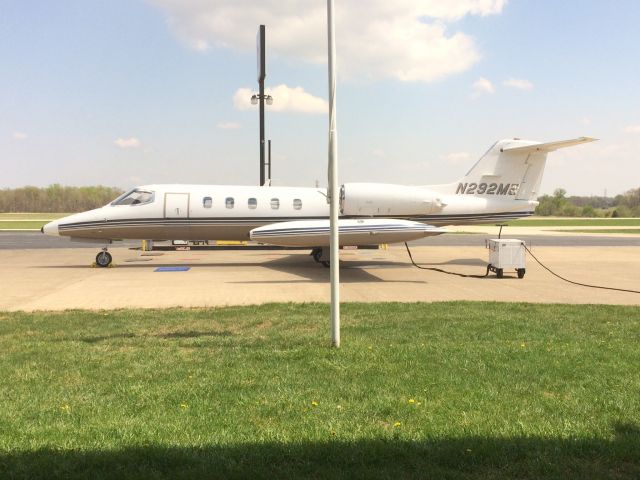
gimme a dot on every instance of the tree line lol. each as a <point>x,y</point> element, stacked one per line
<point>56,198</point>
<point>624,205</point>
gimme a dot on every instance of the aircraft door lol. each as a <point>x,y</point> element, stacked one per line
<point>176,205</point>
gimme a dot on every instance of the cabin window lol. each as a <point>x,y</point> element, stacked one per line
<point>275,203</point>
<point>253,203</point>
<point>297,204</point>
<point>229,202</point>
<point>134,197</point>
<point>207,202</point>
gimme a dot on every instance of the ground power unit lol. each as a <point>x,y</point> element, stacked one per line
<point>505,254</point>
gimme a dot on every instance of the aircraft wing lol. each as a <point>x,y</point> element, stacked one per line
<point>361,231</point>
<point>549,146</point>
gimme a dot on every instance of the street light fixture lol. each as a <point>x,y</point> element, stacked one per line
<point>267,98</point>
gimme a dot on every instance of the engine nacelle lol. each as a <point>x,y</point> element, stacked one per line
<point>387,199</point>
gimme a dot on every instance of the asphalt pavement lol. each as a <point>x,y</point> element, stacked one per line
<point>36,240</point>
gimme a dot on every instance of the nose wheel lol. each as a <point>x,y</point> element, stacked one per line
<point>104,258</point>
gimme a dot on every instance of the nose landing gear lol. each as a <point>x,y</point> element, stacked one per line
<point>104,258</point>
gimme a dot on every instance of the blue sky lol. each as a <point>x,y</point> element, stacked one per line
<point>134,92</point>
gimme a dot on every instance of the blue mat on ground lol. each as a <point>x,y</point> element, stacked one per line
<point>172,269</point>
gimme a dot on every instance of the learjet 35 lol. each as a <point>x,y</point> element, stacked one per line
<point>503,185</point>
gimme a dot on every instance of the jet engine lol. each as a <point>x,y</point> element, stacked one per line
<point>387,199</point>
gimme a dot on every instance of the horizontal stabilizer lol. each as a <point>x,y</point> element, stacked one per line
<point>548,147</point>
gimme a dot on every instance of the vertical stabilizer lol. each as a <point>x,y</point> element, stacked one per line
<point>512,168</point>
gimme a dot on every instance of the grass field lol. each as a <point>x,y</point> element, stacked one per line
<point>32,216</point>
<point>575,222</point>
<point>27,221</point>
<point>634,231</point>
<point>22,224</point>
<point>448,390</point>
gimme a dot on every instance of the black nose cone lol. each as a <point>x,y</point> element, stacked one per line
<point>42,229</point>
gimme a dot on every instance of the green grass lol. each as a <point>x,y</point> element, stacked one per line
<point>575,222</point>
<point>21,225</point>
<point>635,231</point>
<point>27,221</point>
<point>32,216</point>
<point>499,391</point>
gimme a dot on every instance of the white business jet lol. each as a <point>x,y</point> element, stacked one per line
<point>503,185</point>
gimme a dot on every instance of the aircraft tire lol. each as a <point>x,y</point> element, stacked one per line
<point>103,259</point>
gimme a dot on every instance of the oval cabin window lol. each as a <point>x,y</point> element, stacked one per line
<point>207,202</point>
<point>229,202</point>
<point>253,203</point>
<point>275,203</point>
<point>297,204</point>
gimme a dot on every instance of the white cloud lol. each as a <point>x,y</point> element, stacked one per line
<point>403,39</point>
<point>128,142</point>
<point>457,157</point>
<point>285,99</point>
<point>378,152</point>
<point>632,129</point>
<point>482,86</point>
<point>518,83</point>
<point>20,136</point>
<point>228,125</point>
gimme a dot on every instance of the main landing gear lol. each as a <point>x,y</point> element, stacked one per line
<point>104,258</point>
<point>321,255</point>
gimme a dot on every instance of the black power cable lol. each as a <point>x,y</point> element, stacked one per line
<point>534,257</point>
<point>441,270</point>
<point>571,281</point>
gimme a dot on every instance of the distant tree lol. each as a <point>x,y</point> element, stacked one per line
<point>623,205</point>
<point>622,211</point>
<point>588,211</point>
<point>56,198</point>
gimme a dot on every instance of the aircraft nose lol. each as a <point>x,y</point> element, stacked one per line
<point>50,228</point>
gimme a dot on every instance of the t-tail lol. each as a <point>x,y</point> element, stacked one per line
<point>511,169</point>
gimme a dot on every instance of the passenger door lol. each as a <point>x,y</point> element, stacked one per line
<point>176,205</point>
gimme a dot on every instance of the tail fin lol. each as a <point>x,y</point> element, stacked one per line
<point>512,167</point>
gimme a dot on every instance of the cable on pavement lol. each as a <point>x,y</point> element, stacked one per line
<point>571,281</point>
<point>434,269</point>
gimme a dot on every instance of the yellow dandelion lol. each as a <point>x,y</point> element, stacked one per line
<point>314,403</point>
<point>339,407</point>
<point>522,345</point>
<point>184,406</point>
<point>65,408</point>
<point>418,403</point>
<point>412,401</point>
<point>397,424</point>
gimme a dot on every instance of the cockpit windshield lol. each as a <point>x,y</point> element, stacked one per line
<point>134,197</point>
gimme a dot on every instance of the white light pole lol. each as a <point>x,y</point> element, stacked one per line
<point>333,194</point>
